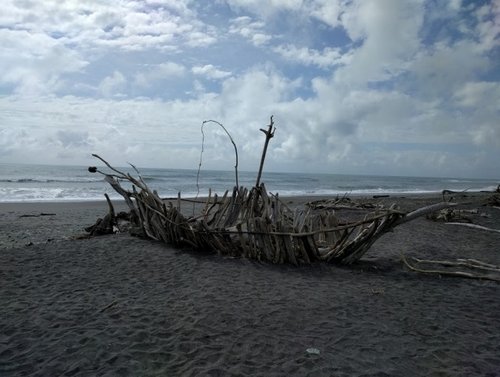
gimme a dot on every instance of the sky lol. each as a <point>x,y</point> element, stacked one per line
<point>383,87</point>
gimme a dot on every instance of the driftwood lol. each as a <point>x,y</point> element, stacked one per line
<point>451,214</point>
<point>472,264</point>
<point>38,215</point>
<point>269,135</point>
<point>254,224</point>
<point>251,223</point>
<point>475,226</point>
<point>493,200</point>
<point>105,225</point>
<point>341,203</point>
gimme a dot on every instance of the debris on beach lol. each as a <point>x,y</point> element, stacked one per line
<point>252,223</point>
<point>461,267</point>
<point>341,203</point>
<point>452,215</point>
<point>493,200</point>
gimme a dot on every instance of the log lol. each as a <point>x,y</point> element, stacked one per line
<point>450,273</point>
<point>475,226</point>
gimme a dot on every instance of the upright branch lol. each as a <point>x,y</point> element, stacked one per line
<point>269,135</point>
<point>202,149</point>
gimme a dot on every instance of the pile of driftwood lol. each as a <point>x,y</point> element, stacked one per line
<point>251,223</point>
<point>254,224</point>
<point>341,203</point>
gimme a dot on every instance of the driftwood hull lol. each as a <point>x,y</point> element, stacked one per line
<point>253,224</point>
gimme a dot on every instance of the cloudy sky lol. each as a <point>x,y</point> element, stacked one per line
<point>390,87</point>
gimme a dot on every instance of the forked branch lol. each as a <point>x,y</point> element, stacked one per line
<point>269,135</point>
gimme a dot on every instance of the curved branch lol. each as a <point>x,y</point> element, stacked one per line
<point>202,149</point>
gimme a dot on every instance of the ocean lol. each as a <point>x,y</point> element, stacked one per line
<point>38,183</point>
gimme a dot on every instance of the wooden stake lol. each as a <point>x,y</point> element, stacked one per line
<point>269,135</point>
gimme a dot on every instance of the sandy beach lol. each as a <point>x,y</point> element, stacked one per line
<point>118,305</point>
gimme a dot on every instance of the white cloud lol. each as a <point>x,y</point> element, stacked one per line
<point>121,130</point>
<point>481,101</point>
<point>388,31</point>
<point>200,39</point>
<point>211,72</point>
<point>249,29</point>
<point>488,26</point>
<point>163,71</point>
<point>65,37</point>
<point>442,69</point>
<point>130,25</point>
<point>33,62</point>
<point>266,8</point>
<point>332,127</point>
<point>480,94</point>
<point>113,85</point>
<point>326,58</point>
<point>14,140</point>
<point>416,85</point>
<point>327,11</point>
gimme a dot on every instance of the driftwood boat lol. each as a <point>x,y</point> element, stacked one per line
<point>252,223</point>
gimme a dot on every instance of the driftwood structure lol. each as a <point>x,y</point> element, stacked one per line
<point>252,223</point>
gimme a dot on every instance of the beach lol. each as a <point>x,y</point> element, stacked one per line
<point>118,305</point>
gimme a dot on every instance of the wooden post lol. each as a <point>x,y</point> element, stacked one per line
<point>269,134</point>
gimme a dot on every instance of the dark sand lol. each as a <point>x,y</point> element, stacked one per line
<point>122,306</point>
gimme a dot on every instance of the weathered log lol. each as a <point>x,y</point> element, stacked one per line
<point>462,274</point>
<point>105,225</point>
<point>475,226</point>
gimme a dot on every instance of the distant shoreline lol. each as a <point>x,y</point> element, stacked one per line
<point>92,202</point>
<point>69,184</point>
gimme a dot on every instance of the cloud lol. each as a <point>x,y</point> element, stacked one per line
<point>68,37</point>
<point>481,102</point>
<point>112,85</point>
<point>155,73</point>
<point>444,68</point>
<point>266,8</point>
<point>326,58</point>
<point>34,63</point>
<point>72,139</point>
<point>129,25</point>
<point>249,29</point>
<point>372,86</point>
<point>327,11</point>
<point>388,33</point>
<point>480,94</point>
<point>68,129</point>
<point>339,129</point>
<point>210,72</point>
<point>487,29</point>
<point>13,140</point>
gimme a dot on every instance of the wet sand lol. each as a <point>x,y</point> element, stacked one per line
<point>122,306</point>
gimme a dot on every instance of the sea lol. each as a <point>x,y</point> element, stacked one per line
<point>40,183</point>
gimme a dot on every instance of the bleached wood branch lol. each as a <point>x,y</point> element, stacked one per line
<point>475,226</point>
<point>424,211</point>
<point>469,263</point>
<point>462,274</point>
